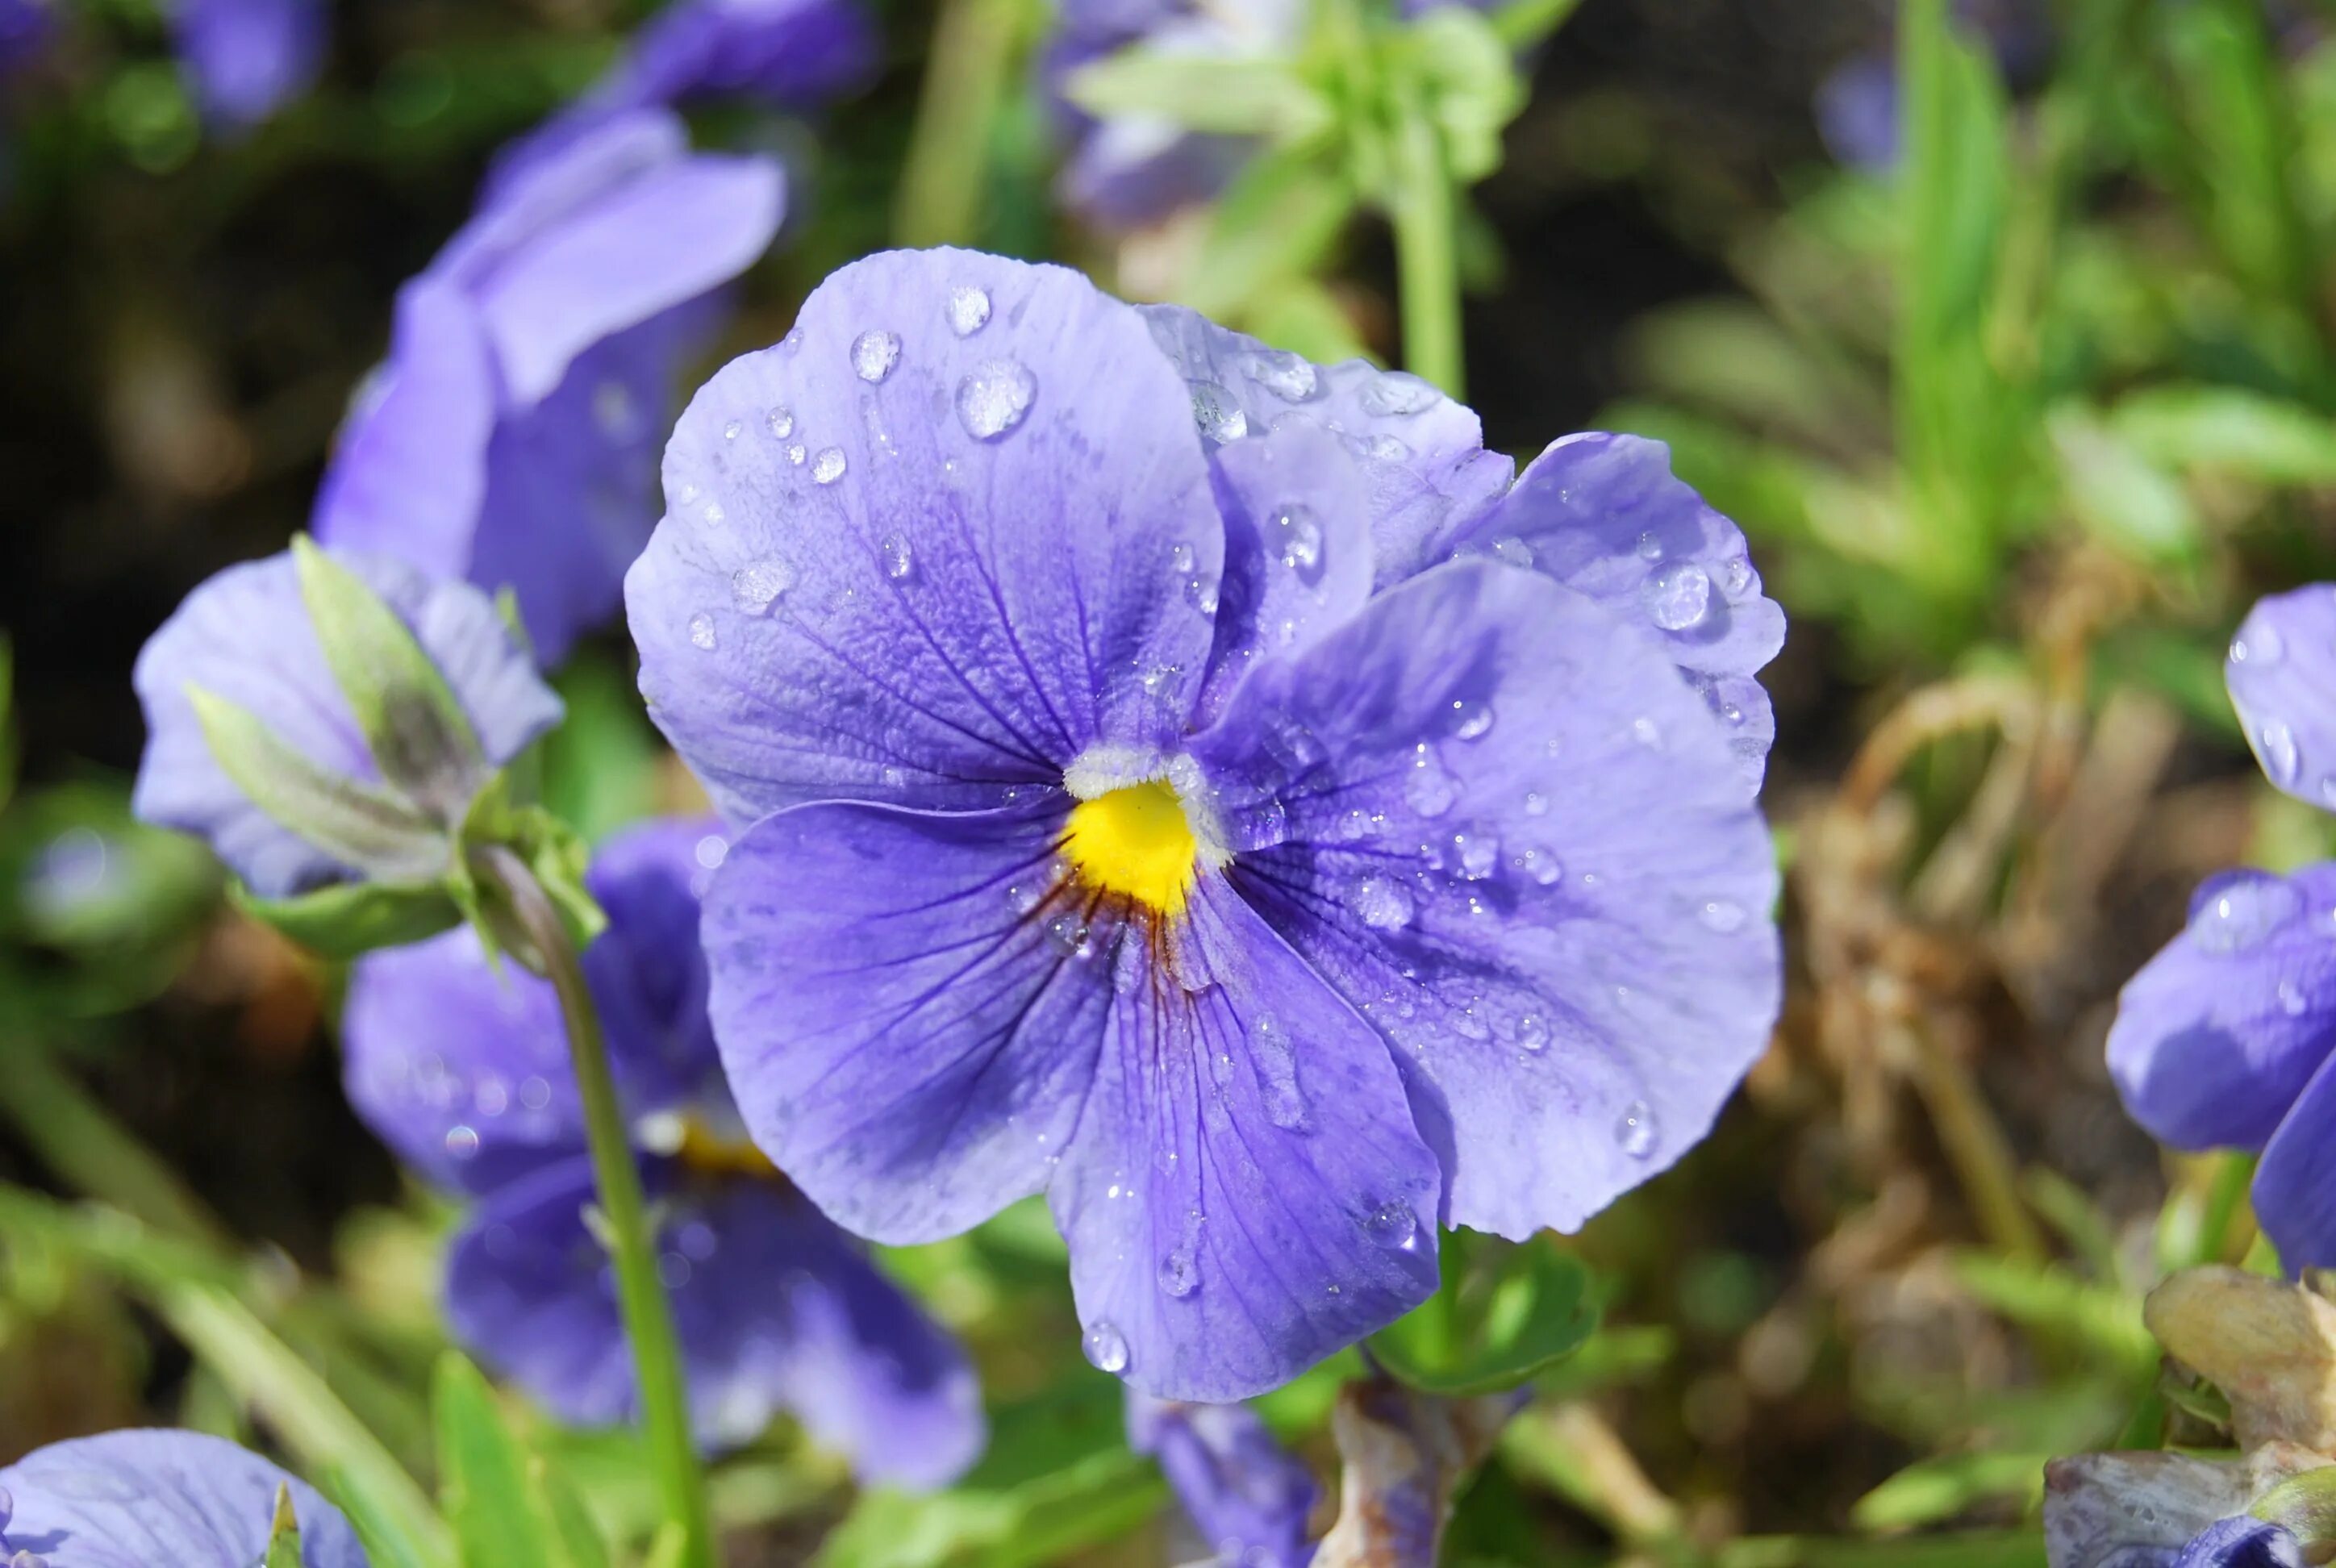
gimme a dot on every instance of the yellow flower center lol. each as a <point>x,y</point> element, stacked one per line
<point>1135,840</point>
<point>707,1152</point>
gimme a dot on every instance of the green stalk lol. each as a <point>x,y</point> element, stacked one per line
<point>1428,267</point>
<point>84,1146</point>
<point>640,1294</point>
<point>975,43</point>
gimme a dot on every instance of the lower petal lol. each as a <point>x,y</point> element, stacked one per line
<point>1246,1194</point>
<point>2295,1182</point>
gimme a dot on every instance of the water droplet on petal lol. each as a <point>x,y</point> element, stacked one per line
<point>1288,377</point>
<point>1300,539</point>
<point>1200,593</point>
<point>1178,1274</point>
<point>969,309</point>
<point>1722,915</point>
<point>1647,732</point>
<point>1105,1346</point>
<point>897,561</point>
<point>701,632</point>
<point>781,422</point>
<point>1397,392</point>
<point>1393,1224</point>
<point>1427,789</point>
<point>2279,754</point>
<point>1678,596</point>
<point>1476,853</point>
<point>754,585</point>
<point>797,453</point>
<point>1649,547</point>
<point>2292,999</point>
<point>1511,550</point>
<point>462,1143</point>
<point>1736,577</point>
<point>1218,417</point>
<point>2239,909</point>
<point>1383,903</point>
<point>1533,1033</point>
<point>1536,803</point>
<point>1180,559</point>
<point>2257,643</point>
<point>1276,1059</point>
<point>730,431</point>
<point>1474,719</point>
<point>992,399</point>
<point>874,354</point>
<point>828,466</point>
<point>1636,1133</point>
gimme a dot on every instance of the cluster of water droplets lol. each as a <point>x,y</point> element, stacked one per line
<point>2258,646</point>
<point>2240,911</point>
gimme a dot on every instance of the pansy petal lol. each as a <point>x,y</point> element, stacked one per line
<point>2218,1034</point>
<point>1423,454</point>
<point>2295,1192</point>
<point>1246,1194</point>
<point>929,547</point>
<point>774,1308</point>
<point>908,1006</point>
<point>787,52</point>
<point>139,1499</point>
<point>1514,838</point>
<point>1245,1494</point>
<point>461,1069</point>
<point>2241,1542</point>
<point>249,56</point>
<point>1298,550</point>
<point>245,634</point>
<point>647,970</point>
<point>2282,674</point>
<point>1604,515</point>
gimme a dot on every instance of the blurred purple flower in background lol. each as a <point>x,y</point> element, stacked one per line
<point>1248,1497</point>
<point>26,29</point>
<point>511,438</point>
<point>2240,1542</point>
<point>1144,769</point>
<point>463,1071</point>
<point>2227,1038</point>
<point>244,636</point>
<point>142,1498</point>
<point>248,57</point>
<point>789,53</point>
<point>1857,104</point>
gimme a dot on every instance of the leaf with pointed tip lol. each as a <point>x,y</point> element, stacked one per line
<point>1213,93</point>
<point>483,1474</point>
<point>346,919</point>
<point>284,1533</point>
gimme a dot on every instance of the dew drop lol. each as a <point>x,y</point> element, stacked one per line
<point>730,431</point>
<point>701,632</point>
<point>1474,720</point>
<point>1736,577</point>
<point>874,354</point>
<point>1722,915</point>
<point>1647,732</point>
<point>1200,593</point>
<point>1180,559</point>
<point>1511,550</point>
<point>1392,1224</point>
<point>828,466</point>
<point>755,585</point>
<point>1288,377</point>
<point>1533,1033</point>
<point>992,399</point>
<point>796,453</point>
<point>2279,754</point>
<point>969,309</point>
<point>1300,539</point>
<point>1383,903</point>
<point>1178,1274</point>
<point>1678,596</point>
<point>2292,999</point>
<point>1476,853</point>
<point>2257,644</point>
<point>1649,547</point>
<point>1105,1346</point>
<point>781,421</point>
<point>1218,417</point>
<point>1277,1070</point>
<point>462,1143</point>
<point>1635,1133</point>
<point>897,561</point>
<point>1536,803</point>
<point>1427,789</point>
<point>2239,909</point>
<point>1393,392</point>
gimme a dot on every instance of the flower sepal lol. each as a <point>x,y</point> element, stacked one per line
<point>283,1534</point>
<point>344,919</point>
<point>1501,1315</point>
<point>503,826</point>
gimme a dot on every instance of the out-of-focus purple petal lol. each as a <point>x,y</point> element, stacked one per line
<point>793,53</point>
<point>910,1006</point>
<point>26,29</point>
<point>1423,454</point>
<point>951,531</point>
<point>144,1498</point>
<point>1515,840</point>
<point>2282,674</point>
<point>2218,1034</point>
<point>775,1310</point>
<point>245,634</point>
<point>1604,515</point>
<point>249,56</point>
<point>1245,1193</point>
<point>2241,1542</point>
<point>1243,1491</point>
<point>1857,112</point>
<point>2295,1192</point>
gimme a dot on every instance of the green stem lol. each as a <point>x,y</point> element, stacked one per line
<point>975,43</point>
<point>1428,266</point>
<point>85,1147</point>
<point>640,1294</point>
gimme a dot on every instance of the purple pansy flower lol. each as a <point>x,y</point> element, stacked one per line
<point>463,1071</point>
<point>2225,1038</point>
<point>511,437</point>
<point>1248,1497</point>
<point>245,634</point>
<point>26,27</point>
<point>136,1499</point>
<point>2241,1542</point>
<point>794,54</point>
<point>1135,827</point>
<point>248,57</point>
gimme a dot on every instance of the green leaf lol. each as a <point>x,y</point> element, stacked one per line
<point>578,1536</point>
<point>1932,1491</point>
<point>419,734</point>
<point>283,1534</point>
<point>1278,220</point>
<point>2123,499</point>
<point>1218,94</point>
<point>2242,142</point>
<point>1510,1313</point>
<point>1466,77</point>
<point>601,766</point>
<point>484,1475</point>
<point>2230,429</point>
<point>345,919</point>
<point>355,824</point>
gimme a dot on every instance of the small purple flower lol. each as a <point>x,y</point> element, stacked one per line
<point>2224,1039</point>
<point>137,1499</point>
<point>26,29</point>
<point>1154,815</point>
<point>1243,1492</point>
<point>465,1072</point>
<point>248,57</point>
<point>2241,1542</point>
<point>1857,103</point>
<point>793,53</point>
<point>511,437</point>
<point>245,634</point>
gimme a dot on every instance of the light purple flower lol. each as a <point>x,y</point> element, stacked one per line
<point>511,437</point>
<point>1243,1492</point>
<point>2225,1038</point>
<point>26,29</point>
<point>1139,840</point>
<point>245,634</point>
<point>248,57</point>
<point>141,1498</point>
<point>465,1072</point>
<point>792,54</point>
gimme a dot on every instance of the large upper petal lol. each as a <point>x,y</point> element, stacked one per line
<point>1515,840</point>
<point>908,563</point>
<point>1246,1192</point>
<point>245,634</point>
<point>141,1498</point>
<point>910,1006</point>
<point>774,1308</point>
<point>2282,673</point>
<point>1604,515</point>
<point>2219,1033</point>
<point>1423,454</point>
